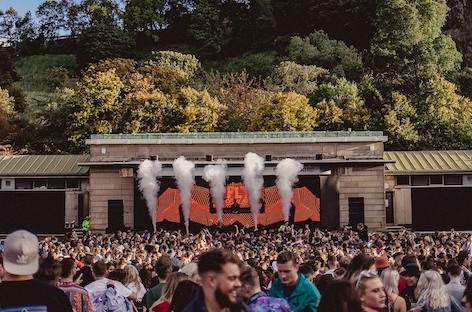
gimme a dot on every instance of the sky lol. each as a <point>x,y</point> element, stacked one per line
<point>21,6</point>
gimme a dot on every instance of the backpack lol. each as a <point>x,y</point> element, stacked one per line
<point>110,301</point>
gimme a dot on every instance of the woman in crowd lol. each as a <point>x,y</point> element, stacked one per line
<point>340,296</point>
<point>359,263</point>
<point>395,303</point>
<point>371,292</point>
<point>163,303</point>
<point>431,293</point>
<point>133,282</point>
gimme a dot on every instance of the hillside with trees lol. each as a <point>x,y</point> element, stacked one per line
<point>73,68</point>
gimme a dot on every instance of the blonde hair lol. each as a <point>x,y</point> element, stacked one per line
<point>390,278</point>
<point>431,290</point>
<point>173,279</point>
<point>132,277</point>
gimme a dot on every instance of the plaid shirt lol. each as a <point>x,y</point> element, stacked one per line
<point>78,296</point>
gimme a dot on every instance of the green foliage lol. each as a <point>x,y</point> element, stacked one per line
<point>256,64</point>
<point>317,49</point>
<point>341,96</point>
<point>289,76</point>
<point>57,77</point>
<point>400,122</point>
<point>171,70</point>
<point>102,41</point>
<point>6,114</point>
<point>144,16</point>
<point>286,111</point>
<point>197,111</point>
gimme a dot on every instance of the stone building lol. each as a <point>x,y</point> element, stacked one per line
<point>347,166</point>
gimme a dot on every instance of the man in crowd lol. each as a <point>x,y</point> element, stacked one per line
<point>291,285</point>
<point>256,299</point>
<point>85,273</point>
<point>78,296</point>
<point>162,268</point>
<point>219,271</point>
<point>19,291</point>
<point>411,276</point>
<point>454,288</point>
<point>98,288</point>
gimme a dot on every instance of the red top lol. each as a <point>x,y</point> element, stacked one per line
<point>161,307</point>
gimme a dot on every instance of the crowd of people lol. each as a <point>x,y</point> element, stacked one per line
<point>283,269</point>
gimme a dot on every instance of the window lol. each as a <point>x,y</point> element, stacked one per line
<point>419,180</point>
<point>56,184</point>
<point>73,183</point>
<point>7,183</point>
<point>436,179</point>
<point>403,180</point>
<point>40,183</point>
<point>23,184</point>
<point>453,179</point>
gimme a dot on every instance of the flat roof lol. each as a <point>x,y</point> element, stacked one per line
<point>43,165</point>
<point>238,137</point>
<point>424,162</point>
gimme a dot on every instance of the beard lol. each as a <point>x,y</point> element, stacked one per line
<point>223,299</point>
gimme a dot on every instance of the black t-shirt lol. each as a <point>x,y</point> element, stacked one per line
<point>32,293</point>
<point>288,290</point>
<point>87,276</point>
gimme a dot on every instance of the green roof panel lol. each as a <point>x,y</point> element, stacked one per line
<point>422,162</point>
<point>43,165</point>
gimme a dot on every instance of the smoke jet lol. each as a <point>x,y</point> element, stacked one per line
<point>216,176</point>
<point>287,175</point>
<point>148,185</point>
<point>253,181</point>
<point>183,171</point>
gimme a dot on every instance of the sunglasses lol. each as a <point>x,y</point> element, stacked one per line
<point>365,275</point>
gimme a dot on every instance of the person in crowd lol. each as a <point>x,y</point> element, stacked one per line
<point>301,294</point>
<point>100,288</point>
<point>145,275</point>
<point>340,296</point>
<point>390,279</point>
<point>191,269</point>
<point>467,302</point>
<point>307,271</point>
<point>184,293</point>
<point>78,296</point>
<point>163,303</point>
<point>85,273</point>
<point>219,271</point>
<point>49,271</point>
<point>432,294</point>
<point>371,292</point>
<point>411,276</point>
<point>19,291</point>
<point>255,298</point>
<point>359,263</point>
<point>2,271</point>
<point>463,259</point>
<point>381,263</point>
<point>455,288</point>
<point>323,281</point>
<point>162,268</point>
<point>133,282</point>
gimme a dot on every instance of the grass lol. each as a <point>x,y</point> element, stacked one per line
<point>33,70</point>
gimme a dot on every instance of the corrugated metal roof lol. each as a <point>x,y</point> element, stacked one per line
<point>42,165</point>
<point>418,162</point>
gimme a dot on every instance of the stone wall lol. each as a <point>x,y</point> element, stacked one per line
<point>105,185</point>
<point>366,182</point>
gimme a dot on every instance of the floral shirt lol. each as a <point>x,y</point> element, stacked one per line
<point>261,302</point>
<point>78,296</point>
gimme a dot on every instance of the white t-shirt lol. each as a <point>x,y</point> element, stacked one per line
<point>99,286</point>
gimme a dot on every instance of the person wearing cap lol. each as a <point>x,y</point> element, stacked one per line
<point>19,291</point>
<point>381,263</point>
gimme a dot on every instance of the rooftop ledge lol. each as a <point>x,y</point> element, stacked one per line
<point>238,137</point>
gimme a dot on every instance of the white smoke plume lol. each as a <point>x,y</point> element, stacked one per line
<point>287,174</point>
<point>253,181</point>
<point>148,185</point>
<point>183,171</point>
<point>216,176</point>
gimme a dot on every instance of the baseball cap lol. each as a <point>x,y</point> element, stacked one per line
<point>21,256</point>
<point>381,263</point>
